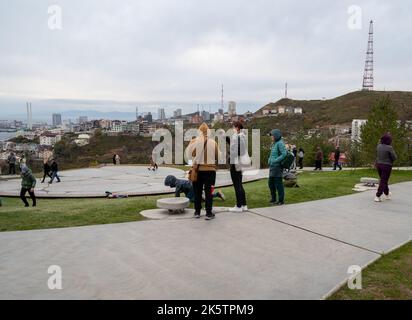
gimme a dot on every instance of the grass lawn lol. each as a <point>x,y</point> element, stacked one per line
<point>388,278</point>
<point>58,213</point>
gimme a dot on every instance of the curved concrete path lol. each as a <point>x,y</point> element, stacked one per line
<point>128,180</point>
<point>300,251</point>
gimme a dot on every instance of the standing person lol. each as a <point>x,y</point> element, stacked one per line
<point>237,150</point>
<point>337,157</point>
<point>114,159</point>
<point>301,155</point>
<point>28,183</point>
<point>295,155</point>
<point>117,159</point>
<point>55,171</point>
<point>46,170</point>
<point>318,159</point>
<point>203,151</point>
<point>11,160</point>
<point>277,154</point>
<point>385,157</point>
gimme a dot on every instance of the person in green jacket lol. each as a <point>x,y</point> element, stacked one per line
<point>277,154</point>
<point>28,183</point>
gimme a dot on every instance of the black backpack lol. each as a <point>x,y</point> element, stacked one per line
<point>287,162</point>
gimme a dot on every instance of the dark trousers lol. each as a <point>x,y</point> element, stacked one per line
<point>276,185</point>
<point>237,177</point>
<point>300,161</point>
<point>12,168</point>
<point>318,164</point>
<point>46,174</point>
<point>205,180</point>
<point>384,171</point>
<point>23,192</point>
<point>337,164</point>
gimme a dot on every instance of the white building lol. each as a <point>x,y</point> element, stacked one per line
<point>357,125</point>
<point>231,109</point>
<point>49,139</point>
<point>298,110</point>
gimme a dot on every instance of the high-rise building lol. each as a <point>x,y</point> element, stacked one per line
<point>83,119</point>
<point>148,117</point>
<point>357,125</point>
<point>232,108</point>
<point>161,114</point>
<point>177,113</point>
<point>29,116</point>
<point>57,119</point>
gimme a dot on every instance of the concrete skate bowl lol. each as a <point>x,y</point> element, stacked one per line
<point>94,182</point>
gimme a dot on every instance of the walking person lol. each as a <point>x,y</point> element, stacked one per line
<point>55,172</point>
<point>277,155</point>
<point>336,158</point>
<point>301,155</point>
<point>385,157</point>
<point>28,183</point>
<point>237,151</point>
<point>114,159</point>
<point>203,151</point>
<point>46,170</point>
<point>318,159</point>
<point>295,160</point>
<point>11,160</point>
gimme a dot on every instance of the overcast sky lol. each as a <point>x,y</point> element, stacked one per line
<point>181,51</point>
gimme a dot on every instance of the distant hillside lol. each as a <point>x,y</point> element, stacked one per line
<point>350,106</point>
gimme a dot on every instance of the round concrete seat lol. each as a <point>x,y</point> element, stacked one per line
<point>173,204</point>
<point>369,180</point>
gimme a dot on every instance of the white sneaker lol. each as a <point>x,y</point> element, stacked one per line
<point>245,208</point>
<point>236,209</point>
<point>389,196</point>
<point>378,199</point>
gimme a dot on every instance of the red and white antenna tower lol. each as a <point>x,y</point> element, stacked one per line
<point>368,73</point>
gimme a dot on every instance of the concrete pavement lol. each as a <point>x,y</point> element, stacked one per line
<point>299,251</point>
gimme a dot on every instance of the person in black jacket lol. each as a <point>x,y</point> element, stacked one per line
<point>337,157</point>
<point>46,170</point>
<point>55,172</point>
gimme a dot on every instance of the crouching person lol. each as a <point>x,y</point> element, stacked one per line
<point>182,186</point>
<point>28,184</point>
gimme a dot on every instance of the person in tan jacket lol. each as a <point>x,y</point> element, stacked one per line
<point>204,153</point>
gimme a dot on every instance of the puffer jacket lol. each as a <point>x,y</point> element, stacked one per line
<point>182,186</point>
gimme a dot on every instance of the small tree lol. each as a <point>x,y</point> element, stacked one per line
<point>382,119</point>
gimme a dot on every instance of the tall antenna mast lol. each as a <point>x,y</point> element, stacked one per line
<point>368,73</point>
<point>286,90</point>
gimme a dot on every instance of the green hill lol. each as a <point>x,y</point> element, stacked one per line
<point>343,109</point>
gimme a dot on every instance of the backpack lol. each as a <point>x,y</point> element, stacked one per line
<point>287,162</point>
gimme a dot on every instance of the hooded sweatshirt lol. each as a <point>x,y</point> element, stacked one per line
<point>385,154</point>
<point>207,157</point>
<point>28,180</point>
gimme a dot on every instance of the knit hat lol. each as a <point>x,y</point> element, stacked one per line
<point>386,139</point>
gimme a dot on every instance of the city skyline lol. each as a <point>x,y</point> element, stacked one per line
<point>244,45</point>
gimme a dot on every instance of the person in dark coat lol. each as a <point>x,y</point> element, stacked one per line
<point>11,160</point>
<point>336,163</point>
<point>301,155</point>
<point>318,159</point>
<point>46,170</point>
<point>55,172</point>
<point>385,157</point>
<point>28,183</point>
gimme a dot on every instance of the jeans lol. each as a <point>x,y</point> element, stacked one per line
<point>23,192</point>
<point>276,185</point>
<point>205,179</point>
<point>54,176</point>
<point>237,177</point>
<point>384,171</point>
<point>318,165</point>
